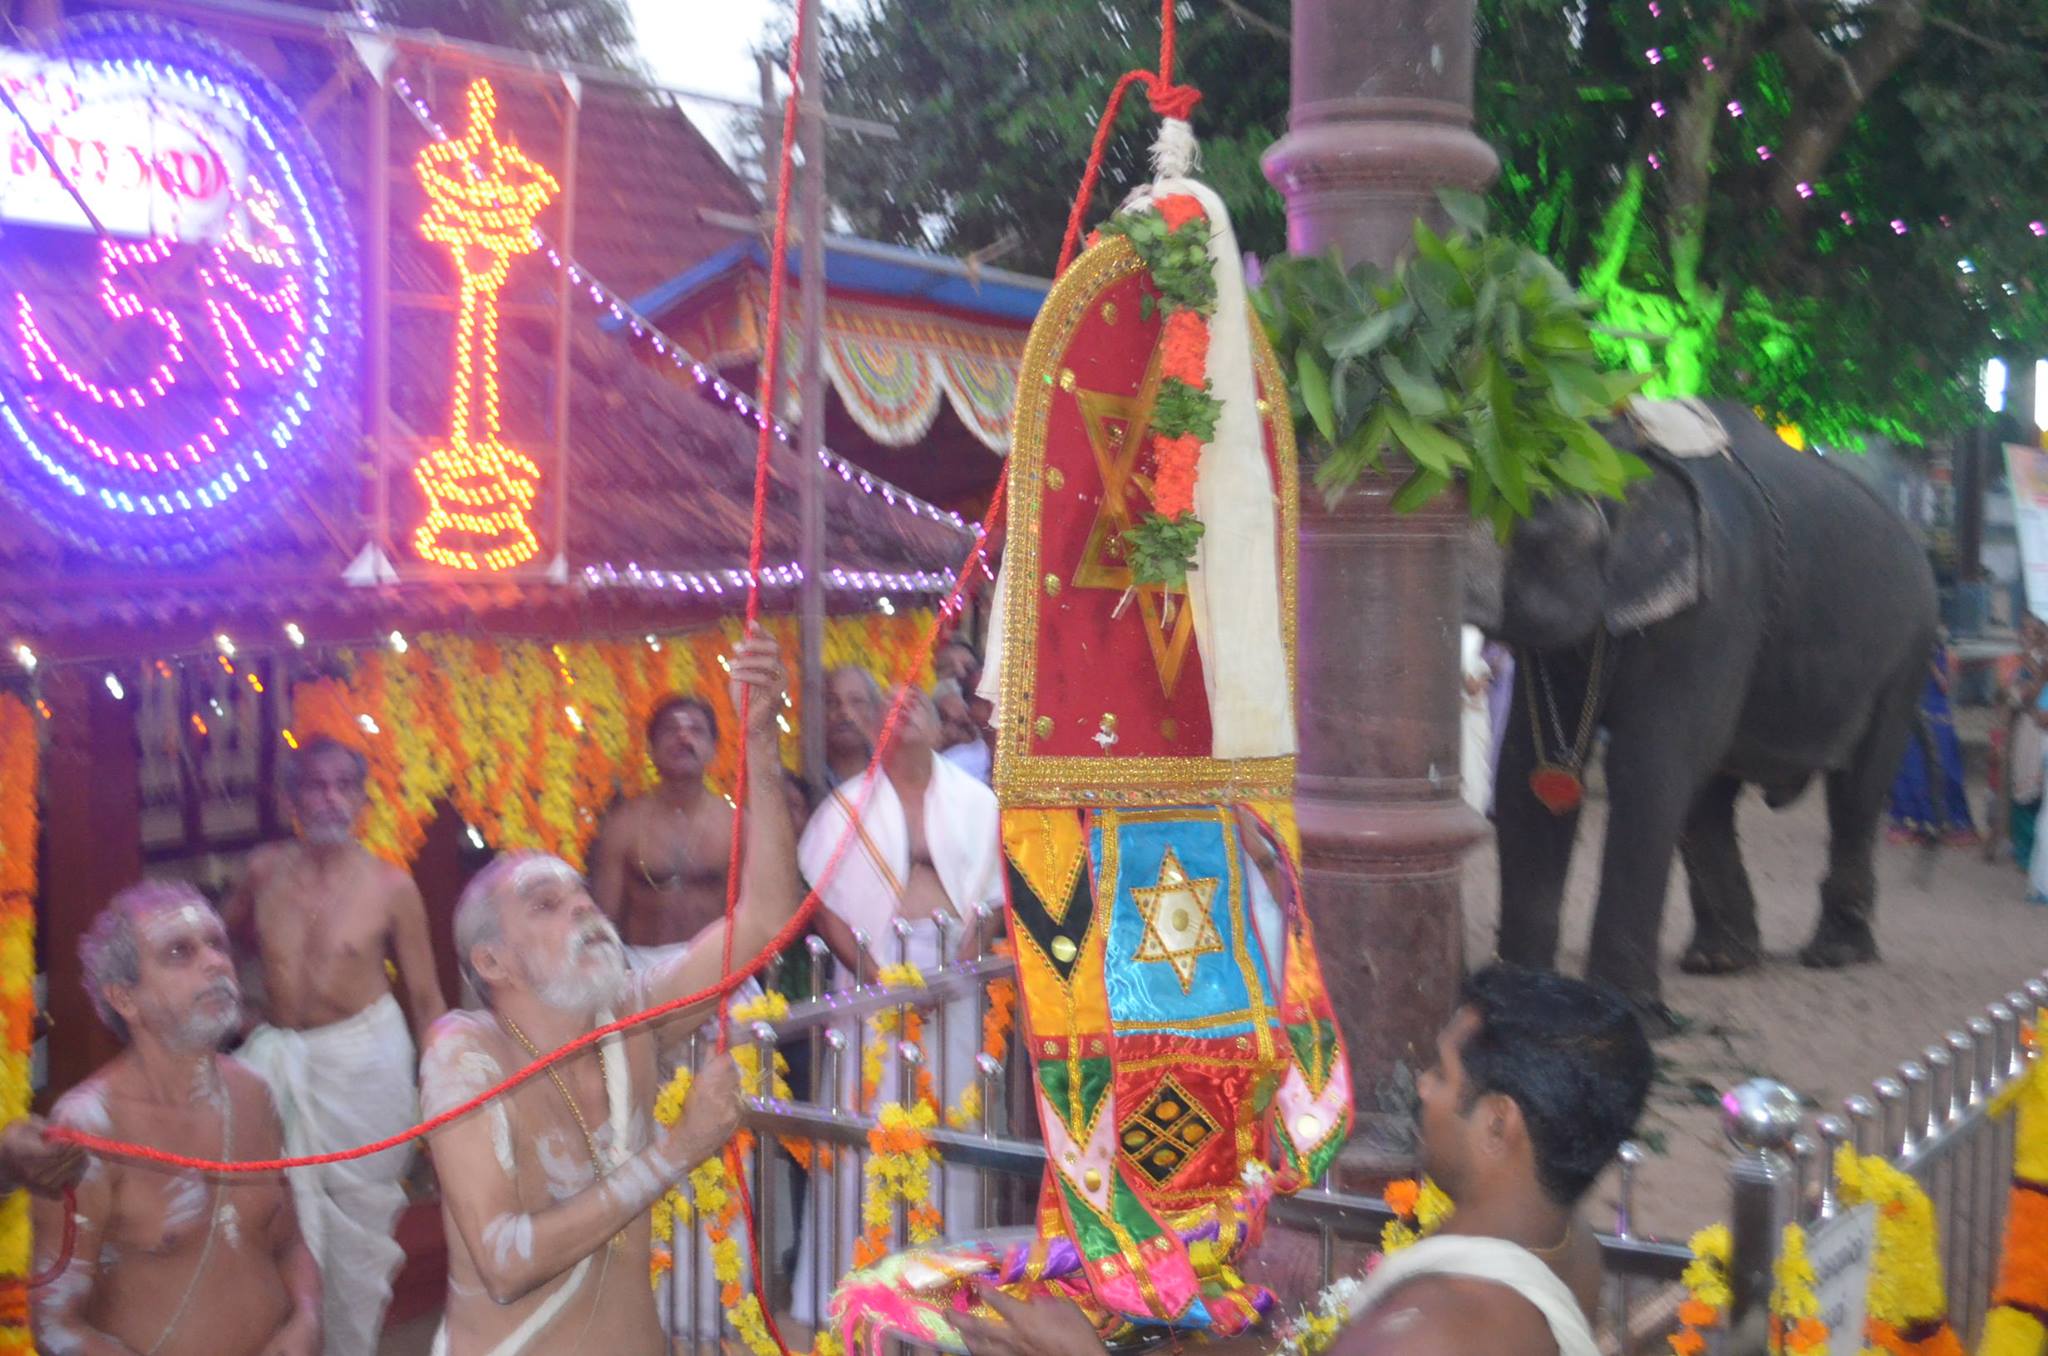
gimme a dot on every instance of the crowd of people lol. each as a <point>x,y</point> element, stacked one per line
<point>319,974</point>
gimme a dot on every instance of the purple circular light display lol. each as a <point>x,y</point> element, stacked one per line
<point>171,368</point>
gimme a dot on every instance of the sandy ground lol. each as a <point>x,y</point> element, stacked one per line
<point>1955,931</point>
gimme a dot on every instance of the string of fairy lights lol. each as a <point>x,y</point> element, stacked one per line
<point>631,321</point>
<point>1807,190</point>
<point>879,584</point>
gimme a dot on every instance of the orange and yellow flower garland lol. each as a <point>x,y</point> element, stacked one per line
<point>1420,1207</point>
<point>2014,1327</point>
<point>1908,1306</point>
<point>1708,1293</point>
<point>1796,1327</point>
<point>530,741</point>
<point>19,759</point>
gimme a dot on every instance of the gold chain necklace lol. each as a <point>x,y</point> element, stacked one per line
<point>555,1076</point>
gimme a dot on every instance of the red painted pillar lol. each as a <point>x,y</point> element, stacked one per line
<point>1381,118</point>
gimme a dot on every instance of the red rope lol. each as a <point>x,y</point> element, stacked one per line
<point>789,932</point>
<point>1168,101</point>
<point>766,405</point>
<point>67,1243</point>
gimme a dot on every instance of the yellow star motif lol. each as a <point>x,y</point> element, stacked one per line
<point>1178,928</point>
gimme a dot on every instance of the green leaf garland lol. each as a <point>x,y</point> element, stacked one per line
<point>1475,358</point>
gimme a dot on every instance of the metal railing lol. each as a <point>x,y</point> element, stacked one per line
<point>833,1028</point>
<point>1932,1118</point>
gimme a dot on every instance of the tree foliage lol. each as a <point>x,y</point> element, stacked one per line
<point>1739,282</point>
<point>599,32</point>
<point>996,106</point>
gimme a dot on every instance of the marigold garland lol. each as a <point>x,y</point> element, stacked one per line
<point>1171,238</point>
<point>995,1043</point>
<point>529,741</point>
<point>1796,1327</point>
<point>1908,1306</point>
<point>1420,1208</point>
<point>2019,1298</point>
<point>899,1168</point>
<point>20,756</point>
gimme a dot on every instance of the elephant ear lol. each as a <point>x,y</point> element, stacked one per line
<point>1656,556</point>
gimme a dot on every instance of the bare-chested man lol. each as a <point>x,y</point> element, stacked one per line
<point>546,1192</point>
<point>322,917</point>
<point>173,1263</point>
<point>659,869</point>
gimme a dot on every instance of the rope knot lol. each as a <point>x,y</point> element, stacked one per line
<point>1172,101</point>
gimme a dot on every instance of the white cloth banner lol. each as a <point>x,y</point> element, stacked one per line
<point>2026,472</point>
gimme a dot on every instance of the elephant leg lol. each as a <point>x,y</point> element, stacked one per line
<point>1724,931</point>
<point>1649,795</point>
<point>1856,796</point>
<point>1535,851</point>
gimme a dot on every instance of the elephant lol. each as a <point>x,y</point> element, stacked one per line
<point>1750,614</point>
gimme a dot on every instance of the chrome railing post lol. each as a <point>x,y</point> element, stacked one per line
<point>1914,1076</point>
<point>1805,1153</point>
<point>1834,1134</point>
<point>1863,1123</point>
<point>988,1072</point>
<point>1891,1104</point>
<point>1761,1117</point>
<point>1630,1156</point>
<point>824,1241</point>
<point>764,1168</point>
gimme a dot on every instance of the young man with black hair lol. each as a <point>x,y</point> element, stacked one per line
<point>659,869</point>
<point>1537,1081</point>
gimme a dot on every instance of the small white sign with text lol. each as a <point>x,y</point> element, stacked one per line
<point>1841,1252</point>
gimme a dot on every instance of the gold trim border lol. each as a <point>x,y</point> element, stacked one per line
<point>1023,778</point>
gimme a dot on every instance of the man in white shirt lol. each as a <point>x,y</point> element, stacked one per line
<point>925,848</point>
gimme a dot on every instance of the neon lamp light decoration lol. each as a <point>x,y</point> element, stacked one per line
<point>483,196</point>
<point>181,399</point>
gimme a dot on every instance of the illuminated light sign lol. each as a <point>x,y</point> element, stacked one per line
<point>482,197</point>
<point>167,384</point>
<point>150,157</point>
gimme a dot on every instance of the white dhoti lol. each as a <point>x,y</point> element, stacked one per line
<point>337,1087</point>
<point>963,835</point>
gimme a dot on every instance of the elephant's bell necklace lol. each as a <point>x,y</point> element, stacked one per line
<point>1561,785</point>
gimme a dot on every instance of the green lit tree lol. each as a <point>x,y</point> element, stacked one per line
<point>1710,260</point>
<point>1822,207</point>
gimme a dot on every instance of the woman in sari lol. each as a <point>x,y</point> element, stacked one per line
<point>1930,804</point>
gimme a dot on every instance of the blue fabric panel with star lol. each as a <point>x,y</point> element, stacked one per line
<point>1182,956</point>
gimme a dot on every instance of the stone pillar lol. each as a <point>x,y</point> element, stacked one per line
<point>1381,118</point>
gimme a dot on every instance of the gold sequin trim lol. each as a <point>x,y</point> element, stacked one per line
<point>1026,777</point>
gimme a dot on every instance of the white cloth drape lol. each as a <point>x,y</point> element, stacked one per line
<point>336,1087</point>
<point>963,835</point>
